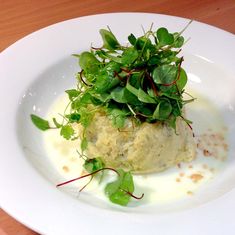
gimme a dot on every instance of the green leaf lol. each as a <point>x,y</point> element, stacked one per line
<point>145,98</point>
<point>141,95</point>
<point>118,117</point>
<point>118,94</point>
<point>107,79</point>
<point>116,190</point>
<point>182,81</point>
<point>165,74</point>
<point>107,55</point>
<point>132,39</point>
<point>144,109</point>
<point>142,43</point>
<point>132,89</point>
<point>72,93</point>
<point>94,164</point>
<point>85,99</point>
<point>179,40</point>
<point>73,117</point>
<point>86,116</point>
<point>103,97</point>
<point>122,95</point>
<point>84,144</point>
<point>170,93</point>
<point>40,123</point>
<point>109,40</point>
<point>58,125</point>
<point>176,107</point>
<point>164,37</point>
<point>82,101</point>
<point>129,56</point>
<point>112,67</point>
<point>67,132</point>
<point>163,110</point>
<point>89,63</point>
<point>154,60</point>
<point>172,122</point>
<point>105,83</point>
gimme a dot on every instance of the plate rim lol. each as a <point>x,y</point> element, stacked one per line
<point>11,47</point>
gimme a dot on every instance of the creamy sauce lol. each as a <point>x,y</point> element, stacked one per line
<point>180,182</point>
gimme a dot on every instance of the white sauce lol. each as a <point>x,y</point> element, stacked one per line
<point>174,184</point>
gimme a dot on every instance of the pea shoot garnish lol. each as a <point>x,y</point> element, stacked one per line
<point>143,81</point>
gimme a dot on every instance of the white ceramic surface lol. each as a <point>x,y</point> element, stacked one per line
<point>39,67</point>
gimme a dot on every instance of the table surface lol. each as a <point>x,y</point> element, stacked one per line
<point>21,17</point>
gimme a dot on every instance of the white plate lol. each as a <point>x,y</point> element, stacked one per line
<point>36,69</point>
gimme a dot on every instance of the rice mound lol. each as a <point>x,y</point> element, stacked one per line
<point>141,148</point>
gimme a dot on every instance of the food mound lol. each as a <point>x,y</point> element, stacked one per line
<point>136,122</point>
<point>128,109</point>
<point>143,148</point>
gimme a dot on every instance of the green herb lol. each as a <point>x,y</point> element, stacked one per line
<point>67,132</point>
<point>109,40</point>
<point>144,80</point>
<point>119,191</point>
<point>91,165</point>
<point>58,125</point>
<point>116,190</point>
<point>40,123</point>
<point>73,93</point>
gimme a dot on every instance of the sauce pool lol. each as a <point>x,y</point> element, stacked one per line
<point>180,182</point>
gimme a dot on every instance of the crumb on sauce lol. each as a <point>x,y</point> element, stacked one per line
<point>213,145</point>
<point>190,193</point>
<point>196,177</point>
<point>204,166</point>
<point>181,174</point>
<point>212,169</point>
<point>178,180</point>
<point>65,169</point>
<point>179,165</point>
<point>207,153</point>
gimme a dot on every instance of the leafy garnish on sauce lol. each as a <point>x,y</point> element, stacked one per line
<point>117,190</point>
<point>120,191</point>
<point>40,123</point>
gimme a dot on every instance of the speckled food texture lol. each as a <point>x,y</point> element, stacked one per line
<point>140,148</point>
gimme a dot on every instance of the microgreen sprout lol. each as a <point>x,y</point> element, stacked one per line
<point>86,175</point>
<point>119,191</point>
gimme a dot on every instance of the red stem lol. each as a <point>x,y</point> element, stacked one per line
<point>86,184</point>
<point>132,195</point>
<point>83,176</point>
<point>117,75</point>
<point>178,76</point>
<point>188,125</point>
<point>81,74</point>
<point>152,84</point>
<point>96,48</point>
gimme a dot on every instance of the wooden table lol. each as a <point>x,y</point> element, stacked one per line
<point>21,17</point>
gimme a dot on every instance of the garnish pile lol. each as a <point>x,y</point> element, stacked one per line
<point>143,80</point>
